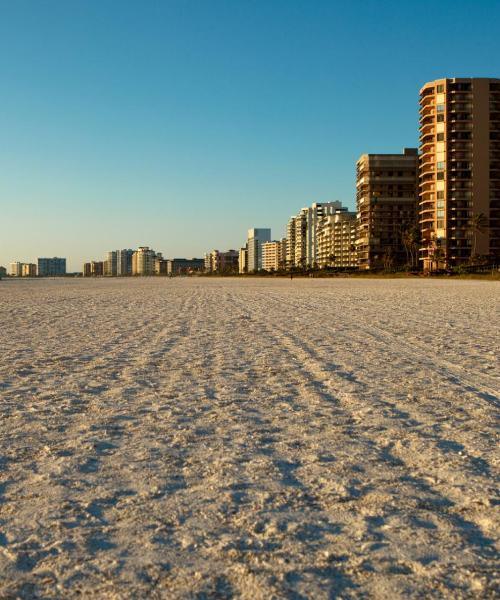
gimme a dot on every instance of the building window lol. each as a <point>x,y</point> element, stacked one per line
<point>440,166</point>
<point>440,89</point>
<point>440,108</point>
<point>440,214</point>
<point>440,137</point>
<point>440,195</point>
<point>440,225</point>
<point>440,175</point>
<point>440,204</point>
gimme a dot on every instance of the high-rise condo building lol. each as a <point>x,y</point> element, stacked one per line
<point>110,264</point>
<point>301,234</point>
<point>314,214</point>
<point>124,262</point>
<point>337,235</point>
<point>51,267</point>
<point>144,261</point>
<point>386,198</point>
<point>256,237</point>
<point>274,255</point>
<point>459,206</point>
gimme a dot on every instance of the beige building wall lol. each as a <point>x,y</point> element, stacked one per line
<point>271,255</point>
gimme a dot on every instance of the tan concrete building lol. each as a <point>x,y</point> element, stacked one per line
<point>336,238</point>
<point>386,198</point>
<point>274,255</point>
<point>459,205</point>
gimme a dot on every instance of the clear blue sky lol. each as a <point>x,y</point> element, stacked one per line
<point>181,124</point>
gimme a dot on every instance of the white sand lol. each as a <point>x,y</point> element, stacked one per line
<point>256,439</point>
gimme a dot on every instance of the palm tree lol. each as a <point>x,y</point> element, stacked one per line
<point>478,224</point>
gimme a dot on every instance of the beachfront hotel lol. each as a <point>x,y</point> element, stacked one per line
<point>459,205</point>
<point>386,200</point>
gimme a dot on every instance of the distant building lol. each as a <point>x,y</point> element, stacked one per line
<point>110,268</point>
<point>256,237</point>
<point>336,239</point>
<point>386,197</point>
<point>243,260</point>
<point>290,243</point>
<point>93,269</point>
<point>221,262</point>
<point>161,266</point>
<point>124,262</point>
<point>274,255</point>
<point>51,267</point>
<point>184,266</point>
<point>16,269</point>
<point>144,261</point>
<point>28,270</point>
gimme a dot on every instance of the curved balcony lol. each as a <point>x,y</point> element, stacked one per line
<point>425,130</point>
<point>427,110</point>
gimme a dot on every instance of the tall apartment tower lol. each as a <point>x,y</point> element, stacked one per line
<point>314,214</point>
<point>386,198</point>
<point>124,262</point>
<point>256,237</point>
<point>144,261</point>
<point>459,205</point>
<point>337,240</point>
<point>110,264</point>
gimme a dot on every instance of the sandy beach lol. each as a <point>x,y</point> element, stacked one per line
<point>258,438</point>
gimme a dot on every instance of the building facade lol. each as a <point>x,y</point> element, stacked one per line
<point>144,261</point>
<point>337,236</point>
<point>110,264</point>
<point>185,266</point>
<point>28,270</point>
<point>124,262</point>
<point>386,198</point>
<point>51,267</point>
<point>93,269</point>
<point>222,262</point>
<point>459,204</point>
<point>16,269</point>
<point>256,237</point>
